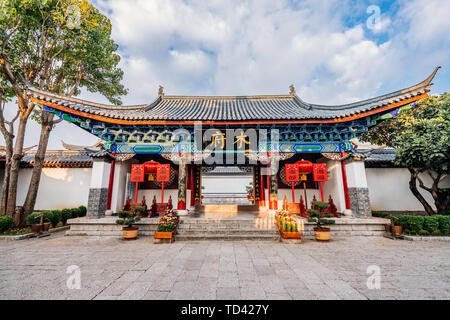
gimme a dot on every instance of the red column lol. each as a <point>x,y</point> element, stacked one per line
<point>191,183</point>
<point>344,182</point>
<point>262,195</point>
<point>182,183</point>
<point>110,185</point>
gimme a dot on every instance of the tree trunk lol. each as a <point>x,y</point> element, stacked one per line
<point>413,187</point>
<point>5,184</point>
<point>15,166</point>
<point>46,128</point>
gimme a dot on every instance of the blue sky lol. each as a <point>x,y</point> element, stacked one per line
<point>325,48</point>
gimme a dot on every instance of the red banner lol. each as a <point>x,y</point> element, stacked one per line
<point>137,173</point>
<point>163,173</point>
<point>292,174</point>
<point>320,172</point>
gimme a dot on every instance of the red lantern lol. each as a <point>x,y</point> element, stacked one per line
<point>150,166</point>
<point>304,168</point>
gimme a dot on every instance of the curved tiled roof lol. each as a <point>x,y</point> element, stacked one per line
<point>230,108</point>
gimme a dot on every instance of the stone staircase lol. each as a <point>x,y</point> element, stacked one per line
<point>227,229</point>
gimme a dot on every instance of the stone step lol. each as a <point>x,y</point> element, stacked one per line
<point>238,237</point>
<point>227,208</point>
<point>225,232</point>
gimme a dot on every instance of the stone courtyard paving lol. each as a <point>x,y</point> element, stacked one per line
<point>114,269</point>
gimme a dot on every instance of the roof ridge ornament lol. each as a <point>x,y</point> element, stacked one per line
<point>292,90</point>
<point>161,91</point>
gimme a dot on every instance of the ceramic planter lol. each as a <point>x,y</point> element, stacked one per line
<point>288,235</point>
<point>398,229</point>
<point>36,228</point>
<point>46,226</point>
<point>293,207</point>
<point>322,234</point>
<point>130,233</point>
<point>167,234</point>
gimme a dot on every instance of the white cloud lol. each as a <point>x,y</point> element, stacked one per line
<point>262,46</point>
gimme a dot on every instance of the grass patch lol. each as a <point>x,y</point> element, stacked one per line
<point>16,232</point>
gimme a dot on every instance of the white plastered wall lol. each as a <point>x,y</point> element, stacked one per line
<point>59,188</point>
<point>389,189</point>
<point>225,184</point>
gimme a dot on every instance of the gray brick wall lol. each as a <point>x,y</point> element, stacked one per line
<point>97,202</point>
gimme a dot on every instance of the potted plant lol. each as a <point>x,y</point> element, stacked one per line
<point>38,222</point>
<point>249,190</point>
<point>167,225</point>
<point>45,219</point>
<point>396,229</point>
<point>321,233</point>
<point>287,226</point>
<point>128,219</point>
<point>138,210</point>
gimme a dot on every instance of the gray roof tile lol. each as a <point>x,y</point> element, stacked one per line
<point>275,107</point>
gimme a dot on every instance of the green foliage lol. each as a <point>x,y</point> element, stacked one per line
<point>127,218</point>
<point>75,212</point>
<point>6,222</point>
<point>423,233</point>
<point>66,214</point>
<point>249,189</point>
<point>53,216</point>
<point>444,224</point>
<point>35,218</point>
<point>136,209</point>
<point>431,224</point>
<point>82,211</point>
<point>319,204</point>
<point>313,212</point>
<point>421,136</point>
<point>414,223</point>
<point>72,35</point>
<point>380,214</point>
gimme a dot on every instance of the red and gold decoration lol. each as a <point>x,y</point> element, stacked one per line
<point>304,168</point>
<point>292,176</point>
<point>163,175</point>
<point>320,175</point>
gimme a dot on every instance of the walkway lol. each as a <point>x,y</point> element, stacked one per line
<point>114,269</point>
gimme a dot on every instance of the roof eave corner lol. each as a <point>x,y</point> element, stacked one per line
<point>426,84</point>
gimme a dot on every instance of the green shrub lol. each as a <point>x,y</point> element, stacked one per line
<point>320,204</point>
<point>436,233</point>
<point>424,233</point>
<point>75,213</point>
<point>135,209</point>
<point>6,222</point>
<point>35,218</point>
<point>415,223</point>
<point>127,218</point>
<point>431,224</point>
<point>313,212</point>
<point>82,210</point>
<point>402,220</point>
<point>66,214</point>
<point>444,224</point>
<point>54,217</point>
<point>327,221</point>
<point>380,214</point>
<point>328,215</point>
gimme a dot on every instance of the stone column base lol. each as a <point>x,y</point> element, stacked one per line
<point>97,202</point>
<point>359,202</point>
